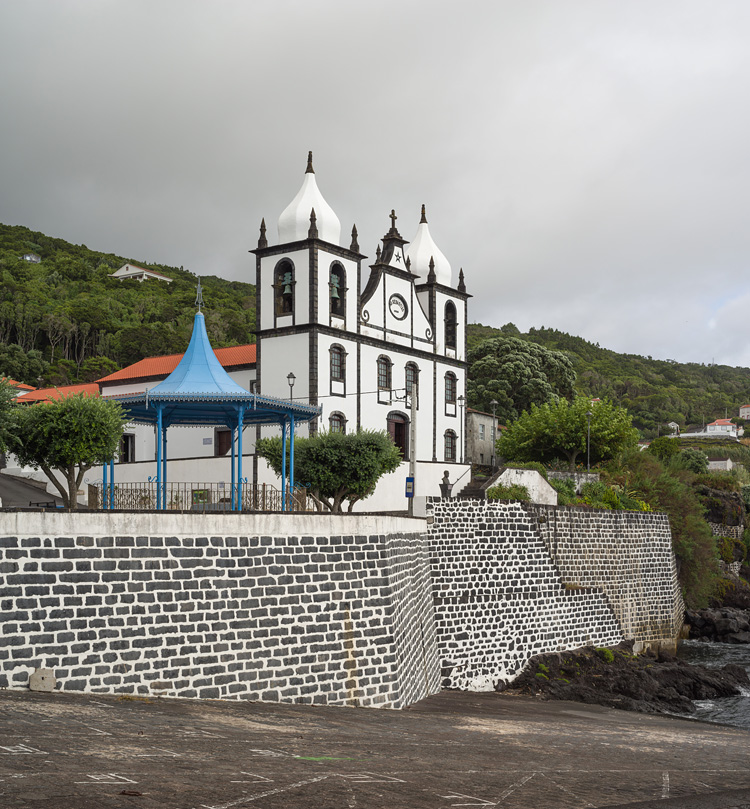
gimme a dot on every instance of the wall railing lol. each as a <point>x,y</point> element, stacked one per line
<point>197,497</point>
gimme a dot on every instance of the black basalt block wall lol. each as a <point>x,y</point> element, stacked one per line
<point>344,620</point>
<point>508,585</point>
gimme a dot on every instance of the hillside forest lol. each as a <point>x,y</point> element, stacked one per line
<point>64,320</point>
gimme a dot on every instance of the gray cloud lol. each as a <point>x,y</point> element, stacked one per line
<point>583,161</point>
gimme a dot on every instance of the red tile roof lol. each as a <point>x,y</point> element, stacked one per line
<point>722,422</point>
<point>19,385</point>
<point>42,394</point>
<point>151,367</point>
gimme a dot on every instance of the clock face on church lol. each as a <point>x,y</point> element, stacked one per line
<point>398,307</point>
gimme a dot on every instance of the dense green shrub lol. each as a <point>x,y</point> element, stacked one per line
<point>513,492</point>
<point>566,491</point>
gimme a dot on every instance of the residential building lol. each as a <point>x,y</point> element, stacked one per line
<point>135,273</point>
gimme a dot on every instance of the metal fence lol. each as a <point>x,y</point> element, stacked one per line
<point>198,497</point>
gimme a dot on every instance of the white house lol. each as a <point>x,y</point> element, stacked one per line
<point>745,411</point>
<point>135,273</point>
<point>722,427</point>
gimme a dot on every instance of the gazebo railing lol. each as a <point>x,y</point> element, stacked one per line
<point>197,497</point>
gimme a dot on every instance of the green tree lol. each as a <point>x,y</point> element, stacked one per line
<point>518,374</point>
<point>559,429</point>
<point>664,447</point>
<point>8,413</point>
<point>68,435</point>
<point>337,467</point>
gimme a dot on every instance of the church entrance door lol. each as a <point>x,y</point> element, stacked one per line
<point>397,424</point>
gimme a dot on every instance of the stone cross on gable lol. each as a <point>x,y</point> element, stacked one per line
<point>393,219</point>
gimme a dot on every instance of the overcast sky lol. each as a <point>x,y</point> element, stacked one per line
<point>584,161</point>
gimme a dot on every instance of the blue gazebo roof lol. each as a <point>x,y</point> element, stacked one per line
<point>199,391</point>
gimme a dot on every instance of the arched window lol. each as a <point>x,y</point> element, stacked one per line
<point>337,286</point>
<point>283,285</point>
<point>384,373</point>
<point>398,431</point>
<point>337,364</point>
<point>450,446</point>
<point>450,325</point>
<point>337,423</point>
<point>411,378</point>
<point>450,388</point>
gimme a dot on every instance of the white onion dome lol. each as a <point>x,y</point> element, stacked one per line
<point>294,222</point>
<point>423,249</point>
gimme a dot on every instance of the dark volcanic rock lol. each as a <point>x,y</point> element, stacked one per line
<point>723,624</point>
<point>617,679</point>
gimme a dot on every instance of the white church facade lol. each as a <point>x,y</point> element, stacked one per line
<point>388,353</point>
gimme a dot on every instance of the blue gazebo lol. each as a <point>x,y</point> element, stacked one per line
<point>200,392</point>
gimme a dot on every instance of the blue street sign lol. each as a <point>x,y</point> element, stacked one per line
<point>410,487</point>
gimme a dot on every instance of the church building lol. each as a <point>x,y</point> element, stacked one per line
<point>363,350</point>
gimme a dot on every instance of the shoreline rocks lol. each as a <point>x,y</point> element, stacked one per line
<point>721,624</point>
<point>615,678</point>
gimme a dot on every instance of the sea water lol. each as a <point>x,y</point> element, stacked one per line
<point>728,710</point>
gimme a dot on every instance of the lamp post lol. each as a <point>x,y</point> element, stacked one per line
<point>461,402</point>
<point>589,414</point>
<point>290,378</point>
<point>493,404</point>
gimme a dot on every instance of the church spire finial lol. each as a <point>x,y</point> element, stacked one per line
<point>354,246</point>
<point>423,220</point>
<point>312,233</point>
<point>461,284</point>
<point>431,274</point>
<point>262,240</point>
<point>310,169</point>
<point>377,253</point>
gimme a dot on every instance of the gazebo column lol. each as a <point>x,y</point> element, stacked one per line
<point>158,456</point>
<point>105,473</point>
<point>239,457</point>
<point>283,465</point>
<point>164,470</point>
<point>291,463</point>
<point>111,483</point>
<point>233,490</point>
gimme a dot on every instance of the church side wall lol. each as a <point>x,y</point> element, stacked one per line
<point>504,591</point>
<point>324,609</point>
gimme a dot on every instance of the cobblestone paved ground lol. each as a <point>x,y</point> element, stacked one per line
<point>453,750</point>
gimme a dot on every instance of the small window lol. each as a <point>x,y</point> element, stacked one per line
<point>450,388</point>
<point>450,446</point>
<point>127,448</point>
<point>450,325</point>
<point>481,432</point>
<point>284,288</point>
<point>337,423</point>
<point>337,286</point>
<point>337,363</point>
<point>384,373</point>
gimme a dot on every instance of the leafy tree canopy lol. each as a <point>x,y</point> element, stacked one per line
<point>664,447</point>
<point>337,467</point>
<point>8,413</point>
<point>69,436</point>
<point>559,429</point>
<point>517,374</point>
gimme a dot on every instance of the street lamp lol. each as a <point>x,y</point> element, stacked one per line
<point>589,414</point>
<point>290,377</point>
<point>461,402</point>
<point>493,404</point>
